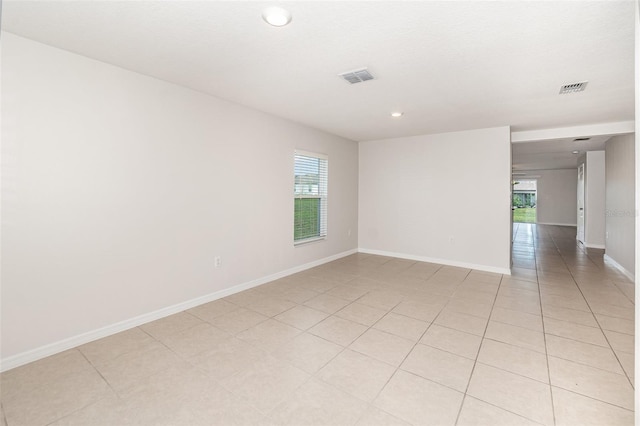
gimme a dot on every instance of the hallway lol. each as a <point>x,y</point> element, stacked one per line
<point>588,312</point>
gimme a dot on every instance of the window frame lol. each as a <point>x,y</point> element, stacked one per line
<point>323,195</point>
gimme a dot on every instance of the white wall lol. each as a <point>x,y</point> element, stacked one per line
<point>594,183</point>
<point>120,189</point>
<point>557,196</point>
<point>637,183</point>
<point>443,197</point>
<point>620,201</point>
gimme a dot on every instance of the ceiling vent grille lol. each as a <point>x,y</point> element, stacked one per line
<point>573,87</point>
<point>357,76</point>
<point>581,139</point>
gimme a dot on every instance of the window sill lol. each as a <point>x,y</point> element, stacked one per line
<point>308,241</point>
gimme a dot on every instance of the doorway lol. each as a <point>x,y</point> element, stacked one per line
<point>524,201</point>
<point>580,221</point>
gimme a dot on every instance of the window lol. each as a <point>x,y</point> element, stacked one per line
<point>310,196</point>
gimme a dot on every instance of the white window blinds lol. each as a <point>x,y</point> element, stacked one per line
<point>311,173</point>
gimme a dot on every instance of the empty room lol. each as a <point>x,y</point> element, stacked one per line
<point>318,212</point>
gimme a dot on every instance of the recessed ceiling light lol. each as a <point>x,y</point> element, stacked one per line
<point>575,152</point>
<point>276,16</point>
<point>396,114</point>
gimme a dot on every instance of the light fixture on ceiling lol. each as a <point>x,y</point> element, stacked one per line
<point>575,152</point>
<point>276,16</point>
<point>396,114</point>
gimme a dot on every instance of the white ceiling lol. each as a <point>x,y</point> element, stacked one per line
<point>553,154</point>
<point>448,65</point>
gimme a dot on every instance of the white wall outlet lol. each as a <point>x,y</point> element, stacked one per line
<point>217,261</point>
<point>349,232</point>
<point>452,239</point>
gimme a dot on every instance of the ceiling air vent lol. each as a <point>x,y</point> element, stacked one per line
<point>573,87</point>
<point>581,139</point>
<point>357,76</point>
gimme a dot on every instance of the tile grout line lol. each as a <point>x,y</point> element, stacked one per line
<point>596,318</point>
<point>412,348</point>
<point>370,404</point>
<point>544,336</point>
<point>397,368</point>
<point>344,348</point>
<point>475,361</point>
<point>88,404</point>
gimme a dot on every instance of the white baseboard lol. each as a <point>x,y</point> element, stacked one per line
<point>621,268</point>
<point>71,342</point>
<point>596,246</point>
<point>556,224</point>
<point>485,268</point>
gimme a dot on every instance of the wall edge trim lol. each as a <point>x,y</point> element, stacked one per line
<point>89,336</point>
<point>612,262</point>
<point>596,246</point>
<point>486,268</point>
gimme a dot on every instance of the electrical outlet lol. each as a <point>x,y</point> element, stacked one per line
<point>217,261</point>
<point>349,232</point>
<point>451,239</point>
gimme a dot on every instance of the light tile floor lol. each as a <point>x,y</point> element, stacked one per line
<point>365,340</point>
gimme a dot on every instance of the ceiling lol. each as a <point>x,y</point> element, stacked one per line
<point>447,65</point>
<point>553,154</point>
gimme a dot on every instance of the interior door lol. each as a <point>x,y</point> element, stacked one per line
<point>580,233</point>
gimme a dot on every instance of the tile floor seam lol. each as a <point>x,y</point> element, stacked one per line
<point>44,385</point>
<point>344,348</point>
<point>576,340</point>
<point>449,352</point>
<point>254,406</point>
<point>600,327</point>
<point>75,410</point>
<point>577,282</point>
<point>544,335</point>
<point>594,399</point>
<point>79,409</point>
<point>4,415</point>
<point>589,365</point>
<point>475,361</point>
<point>583,342</point>
<point>504,409</point>
<point>119,355</point>
<point>406,316</point>
<point>512,325</point>
<point>572,322</point>
<point>99,373</point>
<point>623,293</point>
<point>591,397</point>
<point>396,368</point>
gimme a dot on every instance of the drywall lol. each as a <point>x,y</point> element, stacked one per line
<point>620,201</point>
<point>637,181</point>
<point>557,196</point>
<point>443,197</point>
<point>120,189</point>
<point>594,199</point>
<point>593,163</point>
